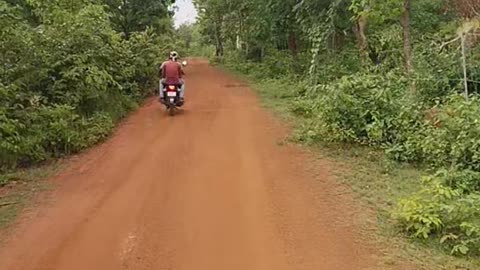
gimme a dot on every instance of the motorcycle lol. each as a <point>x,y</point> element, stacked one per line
<point>172,99</point>
<point>172,96</point>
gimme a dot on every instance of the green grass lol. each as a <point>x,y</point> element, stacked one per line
<point>18,188</point>
<point>377,183</point>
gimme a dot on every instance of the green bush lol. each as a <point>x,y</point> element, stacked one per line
<point>49,131</point>
<point>273,65</point>
<point>467,181</point>
<point>357,108</point>
<point>68,78</point>
<point>445,213</point>
<point>450,137</point>
<point>436,73</point>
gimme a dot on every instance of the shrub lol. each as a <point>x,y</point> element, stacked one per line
<point>445,213</point>
<point>49,131</point>
<point>451,138</point>
<point>357,108</point>
<point>68,79</point>
<point>466,181</point>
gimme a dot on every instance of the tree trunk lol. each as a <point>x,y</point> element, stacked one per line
<point>218,41</point>
<point>359,30</point>
<point>292,43</point>
<point>219,47</point>
<point>125,20</point>
<point>464,64</point>
<point>126,33</point>
<point>407,45</point>
<point>238,43</point>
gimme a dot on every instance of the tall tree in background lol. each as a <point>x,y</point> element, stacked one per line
<point>361,11</point>
<point>136,15</point>
<point>211,17</point>
<point>407,44</point>
<point>185,33</point>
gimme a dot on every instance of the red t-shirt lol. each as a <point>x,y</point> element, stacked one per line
<point>171,72</point>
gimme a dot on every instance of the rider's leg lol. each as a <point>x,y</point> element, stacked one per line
<point>182,89</point>
<point>161,89</point>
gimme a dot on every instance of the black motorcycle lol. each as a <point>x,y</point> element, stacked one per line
<point>172,98</point>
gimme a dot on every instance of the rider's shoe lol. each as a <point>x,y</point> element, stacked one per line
<point>161,100</point>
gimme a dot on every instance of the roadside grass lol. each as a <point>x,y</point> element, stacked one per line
<point>377,184</point>
<point>18,188</point>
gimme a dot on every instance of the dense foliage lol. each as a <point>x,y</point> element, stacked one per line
<point>399,75</point>
<point>69,70</point>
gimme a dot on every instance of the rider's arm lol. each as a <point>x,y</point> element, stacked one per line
<point>162,71</point>
<point>181,71</point>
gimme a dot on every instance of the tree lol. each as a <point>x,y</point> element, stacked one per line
<point>185,33</point>
<point>137,15</point>
<point>407,44</point>
<point>361,10</point>
<point>211,17</point>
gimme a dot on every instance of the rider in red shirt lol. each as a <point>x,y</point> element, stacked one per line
<point>171,72</point>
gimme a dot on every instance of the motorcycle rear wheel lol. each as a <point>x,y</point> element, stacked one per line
<point>171,110</point>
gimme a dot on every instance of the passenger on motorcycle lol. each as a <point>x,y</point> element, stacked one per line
<point>171,73</point>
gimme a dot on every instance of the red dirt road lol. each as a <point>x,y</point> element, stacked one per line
<point>209,189</point>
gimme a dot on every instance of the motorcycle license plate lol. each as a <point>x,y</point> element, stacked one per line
<point>172,94</point>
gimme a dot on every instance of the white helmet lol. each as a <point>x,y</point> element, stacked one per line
<point>173,55</point>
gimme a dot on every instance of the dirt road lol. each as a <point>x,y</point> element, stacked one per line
<point>210,189</point>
